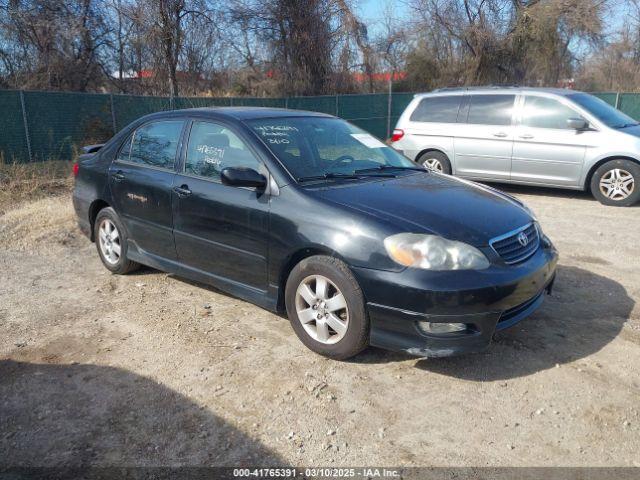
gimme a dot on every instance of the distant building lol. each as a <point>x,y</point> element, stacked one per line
<point>359,77</point>
<point>569,83</point>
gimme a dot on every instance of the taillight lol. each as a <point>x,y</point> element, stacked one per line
<point>397,135</point>
<point>76,169</point>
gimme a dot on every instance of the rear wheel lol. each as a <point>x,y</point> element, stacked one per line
<point>435,161</point>
<point>616,183</point>
<point>111,242</point>
<point>326,307</point>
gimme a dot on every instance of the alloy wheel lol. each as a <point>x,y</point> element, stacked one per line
<point>109,239</point>
<point>322,309</point>
<point>617,184</point>
<point>432,164</point>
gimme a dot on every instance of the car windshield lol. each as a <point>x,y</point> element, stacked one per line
<point>317,148</point>
<point>603,111</point>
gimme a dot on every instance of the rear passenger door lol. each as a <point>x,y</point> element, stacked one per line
<point>141,178</point>
<point>432,125</point>
<point>483,141</point>
<point>546,150</point>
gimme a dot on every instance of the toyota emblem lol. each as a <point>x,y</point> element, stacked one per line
<point>523,239</point>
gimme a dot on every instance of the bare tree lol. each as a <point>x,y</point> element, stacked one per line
<point>300,35</point>
<point>506,41</point>
<point>616,65</point>
<point>249,47</point>
<point>53,44</point>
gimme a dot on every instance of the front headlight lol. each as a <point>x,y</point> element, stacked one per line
<point>432,252</point>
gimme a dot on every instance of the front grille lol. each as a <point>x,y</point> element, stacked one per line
<point>512,248</point>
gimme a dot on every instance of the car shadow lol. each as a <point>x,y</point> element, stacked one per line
<point>584,314</point>
<point>70,416</point>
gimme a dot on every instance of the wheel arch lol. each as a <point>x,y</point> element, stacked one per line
<point>294,259</point>
<point>432,149</point>
<point>599,163</point>
<point>94,209</point>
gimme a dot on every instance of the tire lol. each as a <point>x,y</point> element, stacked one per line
<point>339,345</point>
<point>117,241</point>
<point>616,183</point>
<point>438,160</point>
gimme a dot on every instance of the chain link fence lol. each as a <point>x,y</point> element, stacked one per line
<point>38,126</point>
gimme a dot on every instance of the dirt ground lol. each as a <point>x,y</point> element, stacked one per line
<point>149,369</point>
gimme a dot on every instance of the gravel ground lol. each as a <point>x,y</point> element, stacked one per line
<point>150,369</point>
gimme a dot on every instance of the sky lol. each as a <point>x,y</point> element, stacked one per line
<point>374,8</point>
<point>372,11</point>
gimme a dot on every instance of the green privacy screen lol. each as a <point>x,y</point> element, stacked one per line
<point>58,122</point>
<point>629,103</point>
<point>37,126</point>
<point>13,139</point>
<point>610,98</point>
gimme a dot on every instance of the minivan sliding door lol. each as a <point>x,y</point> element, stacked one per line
<point>483,140</point>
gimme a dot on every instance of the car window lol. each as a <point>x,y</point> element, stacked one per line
<point>213,147</point>
<point>318,146</point>
<point>541,112</point>
<point>156,143</point>
<point>125,150</point>
<point>437,109</point>
<point>602,110</point>
<point>336,147</point>
<point>490,109</point>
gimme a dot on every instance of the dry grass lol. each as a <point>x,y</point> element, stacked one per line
<point>42,224</point>
<point>32,181</point>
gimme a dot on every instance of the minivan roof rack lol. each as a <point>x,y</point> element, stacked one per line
<point>481,87</point>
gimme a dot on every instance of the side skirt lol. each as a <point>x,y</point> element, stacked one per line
<point>262,298</point>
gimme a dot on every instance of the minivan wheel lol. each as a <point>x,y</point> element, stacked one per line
<point>326,307</point>
<point>435,161</point>
<point>616,183</point>
<point>111,241</point>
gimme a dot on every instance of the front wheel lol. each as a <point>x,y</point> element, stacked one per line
<point>615,183</point>
<point>326,307</point>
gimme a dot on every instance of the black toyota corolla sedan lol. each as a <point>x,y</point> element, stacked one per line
<point>305,213</point>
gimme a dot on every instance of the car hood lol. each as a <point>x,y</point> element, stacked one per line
<point>432,203</point>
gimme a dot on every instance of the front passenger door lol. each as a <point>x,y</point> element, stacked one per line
<point>545,149</point>
<point>219,229</point>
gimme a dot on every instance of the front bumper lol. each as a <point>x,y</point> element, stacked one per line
<point>486,301</point>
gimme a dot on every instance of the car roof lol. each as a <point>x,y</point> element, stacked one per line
<point>490,89</point>
<point>249,113</point>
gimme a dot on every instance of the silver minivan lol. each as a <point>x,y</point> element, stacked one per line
<point>533,136</point>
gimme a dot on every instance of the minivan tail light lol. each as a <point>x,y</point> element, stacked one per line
<point>76,169</point>
<point>397,135</point>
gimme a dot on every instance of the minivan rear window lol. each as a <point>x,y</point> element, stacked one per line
<point>437,109</point>
<point>489,110</point>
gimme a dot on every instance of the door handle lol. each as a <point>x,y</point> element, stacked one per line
<point>182,191</point>
<point>118,176</point>
<point>500,134</point>
<point>526,136</point>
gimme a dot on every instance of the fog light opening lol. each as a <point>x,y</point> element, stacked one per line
<point>432,327</point>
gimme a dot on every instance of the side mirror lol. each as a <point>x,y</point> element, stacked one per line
<point>577,123</point>
<point>242,177</point>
